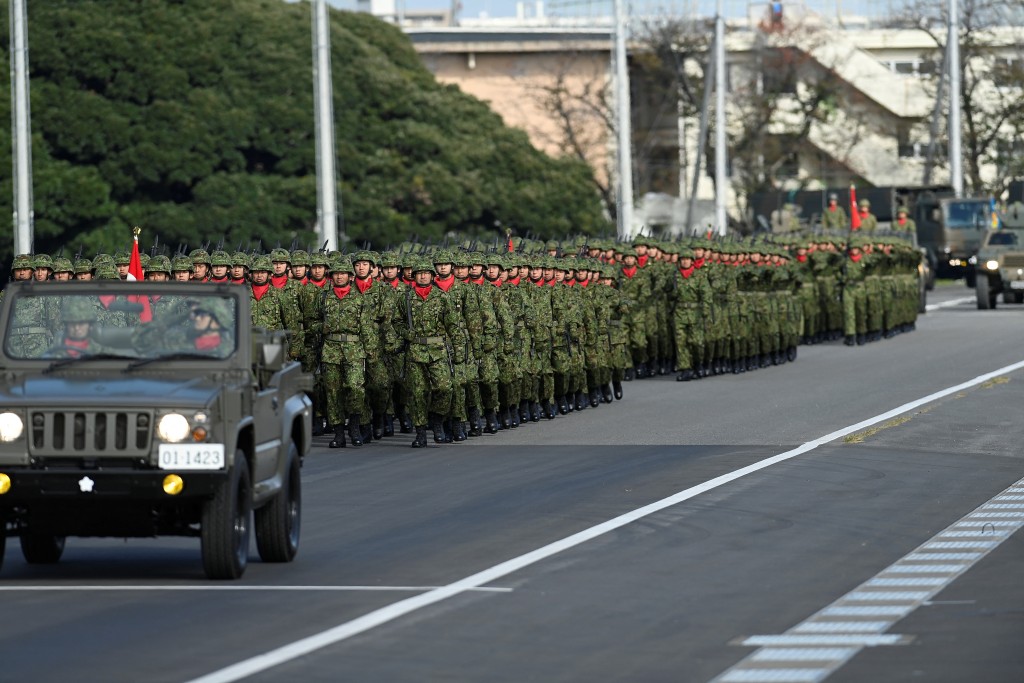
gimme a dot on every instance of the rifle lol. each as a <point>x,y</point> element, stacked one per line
<point>408,321</point>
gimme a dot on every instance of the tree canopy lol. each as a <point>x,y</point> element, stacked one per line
<point>194,120</point>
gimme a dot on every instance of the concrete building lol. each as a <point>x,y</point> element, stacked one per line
<point>875,133</point>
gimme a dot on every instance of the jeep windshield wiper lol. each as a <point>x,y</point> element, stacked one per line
<point>64,362</point>
<point>181,355</point>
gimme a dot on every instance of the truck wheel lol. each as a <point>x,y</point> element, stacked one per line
<point>224,535</point>
<point>986,300</point>
<point>971,278</point>
<point>279,521</point>
<point>41,548</point>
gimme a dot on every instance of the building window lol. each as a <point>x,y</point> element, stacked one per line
<point>908,147</point>
<point>1007,72</point>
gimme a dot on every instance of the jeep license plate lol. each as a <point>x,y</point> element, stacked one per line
<point>1017,284</point>
<point>205,456</point>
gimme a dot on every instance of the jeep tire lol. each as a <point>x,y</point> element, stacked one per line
<point>985,296</point>
<point>225,529</point>
<point>278,522</point>
<point>41,548</point>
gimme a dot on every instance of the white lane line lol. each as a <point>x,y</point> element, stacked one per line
<point>802,654</point>
<point>943,557</point>
<point>389,613</point>
<point>851,640</point>
<point>950,303</point>
<point>823,621</point>
<point>776,676</point>
<point>312,589</point>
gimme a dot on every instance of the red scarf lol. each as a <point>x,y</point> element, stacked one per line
<point>687,272</point>
<point>445,283</point>
<point>514,281</point>
<point>901,221</point>
<point>422,292</point>
<point>641,261</point>
<point>477,281</point>
<point>584,283</point>
<point>629,272</point>
<point>802,258</point>
<point>496,282</point>
<point>319,283</point>
<point>539,281</point>
<point>106,300</point>
<point>363,285</point>
<point>208,342</point>
<point>219,280</point>
<point>258,291</point>
<point>238,281</point>
<point>302,281</point>
<point>856,257</point>
<point>569,283</point>
<point>698,263</point>
<point>342,292</point>
<point>832,208</point>
<point>74,344</point>
<point>279,281</point>
<point>551,283</point>
<point>394,283</point>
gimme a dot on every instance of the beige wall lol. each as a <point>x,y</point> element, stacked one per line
<point>517,84</point>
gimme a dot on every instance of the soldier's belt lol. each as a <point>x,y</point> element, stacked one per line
<point>343,337</point>
<point>29,330</point>
<point>428,340</point>
<point>615,323</point>
<point>691,305</point>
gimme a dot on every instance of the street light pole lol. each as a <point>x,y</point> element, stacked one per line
<point>21,129</point>
<point>326,184</point>
<point>956,174</point>
<point>721,182</point>
<point>624,194</point>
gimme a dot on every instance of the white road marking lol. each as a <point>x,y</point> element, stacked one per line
<point>776,676</point>
<point>220,587</point>
<point>802,654</point>
<point>944,557</point>
<point>851,640</point>
<point>823,621</point>
<point>950,303</point>
<point>389,613</point>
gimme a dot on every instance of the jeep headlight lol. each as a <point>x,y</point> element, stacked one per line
<point>173,428</point>
<point>11,427</point>
<point>992,265</point>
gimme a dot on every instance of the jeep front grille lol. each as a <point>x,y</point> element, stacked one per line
<point>1013,260</point>
<point>90,433</point>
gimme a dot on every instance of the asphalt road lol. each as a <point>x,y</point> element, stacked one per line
<point>532,554</point>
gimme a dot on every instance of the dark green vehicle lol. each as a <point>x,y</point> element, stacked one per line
<point>1001,261</point>
<point>133,409</point>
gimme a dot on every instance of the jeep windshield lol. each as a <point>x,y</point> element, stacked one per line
<point>120,320</point>
<point>967,214</point>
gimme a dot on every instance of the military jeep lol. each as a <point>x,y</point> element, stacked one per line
<point>1000,266</point>
<point>138,409</point>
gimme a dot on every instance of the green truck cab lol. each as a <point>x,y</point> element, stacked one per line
<point>138,409</point>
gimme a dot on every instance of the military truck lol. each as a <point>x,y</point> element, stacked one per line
<point>137,409</point>
<point>1001,261</point>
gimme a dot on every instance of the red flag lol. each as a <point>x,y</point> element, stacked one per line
<point>854,213</point>
<point>511,247</point>
<point>135,273</point>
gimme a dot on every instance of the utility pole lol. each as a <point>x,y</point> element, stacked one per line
<point>624,128</point>
<point>956,174</point>
<point>721,183</point>
<point>21,130</point>
<point>323,104</point>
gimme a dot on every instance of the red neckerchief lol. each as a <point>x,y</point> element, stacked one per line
<point>514,281</point>
<point>901,221</point>
<point>641,261</point>
<point>106,300</point>
<point>394,283</point>
<point>687,272</point>
<point>698,263</point>
<point>342,292</point>
<point>477,281</point>
<point>584,283</point>
<point>279,281</point>
<point>219,280</point>
<point>832,207</point>
<point>258,291</point>
<point>539,281</point>
<point>856,257</point>
<point>864,213</point>
<point>569,283</point>
<point>408,283</point>
<point>319,283</point>
<point>629,272</point>
<point>496,282</point>
<point>238,281</point>
<point>208,342</point>
<point>551,283</point>
<point>422,292</point>
<point>363,285</point>
<point>802,258</point>
<point>445,283</point>
<point>301,281</point>
<point>74,345</point>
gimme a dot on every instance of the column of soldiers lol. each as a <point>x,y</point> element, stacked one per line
<point>462,342</point>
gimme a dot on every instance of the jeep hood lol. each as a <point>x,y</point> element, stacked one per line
<point>147,392</point>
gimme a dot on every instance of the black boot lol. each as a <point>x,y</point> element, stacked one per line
<point>437,428</point>
<point>791,354</point>
<point>685,376</point>
<point>318,425</point>
<point>547,410</point>
<point>617,387</point>
<point>389,425</point>
<point>492,423</point>
<point>367,432</point>
<point>474,423</point>
<point>641,371</point>
<point>581,401</point>
<point>535,412</point>
<point>405,423</point>
<point>524,411</point>
<point>355,433</point>
<point>458,431</point>
<point>503,418</point>
<point>606,393</point>
<point>513,418</point>
<point>563,405</point>
<point>630,374</point>
<point>862,339</point>
<point>339,438</point>
<point>850,340</point>
<point>421,438</point>
<point>595,398</point>
<point>378,427</point>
